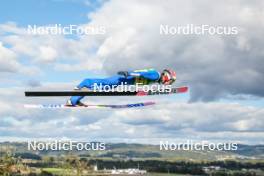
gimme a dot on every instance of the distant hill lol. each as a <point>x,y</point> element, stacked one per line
<point>250,150</point>
<point>142,151</point>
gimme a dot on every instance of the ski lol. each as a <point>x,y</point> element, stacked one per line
<point>60,106</point>
<point>110,93</point>
<point>171,91</point>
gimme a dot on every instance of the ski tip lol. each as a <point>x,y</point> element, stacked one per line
<point>183,89</point>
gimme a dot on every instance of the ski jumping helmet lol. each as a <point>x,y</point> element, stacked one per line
<point>168,76</point>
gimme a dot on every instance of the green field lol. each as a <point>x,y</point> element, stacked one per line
<point>56,171</point>
<point>159,174</point>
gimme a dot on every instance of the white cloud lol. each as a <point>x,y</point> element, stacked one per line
<point>171,120</point>
<point>8,61</point>
<point>214,66</point>
<point>47,53</point>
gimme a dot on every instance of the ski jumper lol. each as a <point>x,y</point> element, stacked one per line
<point>142,77</point>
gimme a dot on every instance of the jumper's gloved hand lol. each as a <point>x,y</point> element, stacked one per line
<point>123,73</point>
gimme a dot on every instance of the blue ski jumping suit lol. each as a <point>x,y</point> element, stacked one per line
<point>143,77</point>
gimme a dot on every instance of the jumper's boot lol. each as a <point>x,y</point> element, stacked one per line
<point>69,103</point>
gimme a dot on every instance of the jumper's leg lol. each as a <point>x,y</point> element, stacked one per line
<point>76,100</point>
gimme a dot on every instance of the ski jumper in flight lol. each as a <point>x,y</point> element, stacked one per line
<point>142,77</point>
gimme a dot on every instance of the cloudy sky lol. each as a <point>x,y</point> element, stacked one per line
<point>225,73</point>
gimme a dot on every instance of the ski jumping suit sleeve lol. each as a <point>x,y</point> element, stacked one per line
<point>143,77</point>
<point>150,75</point>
